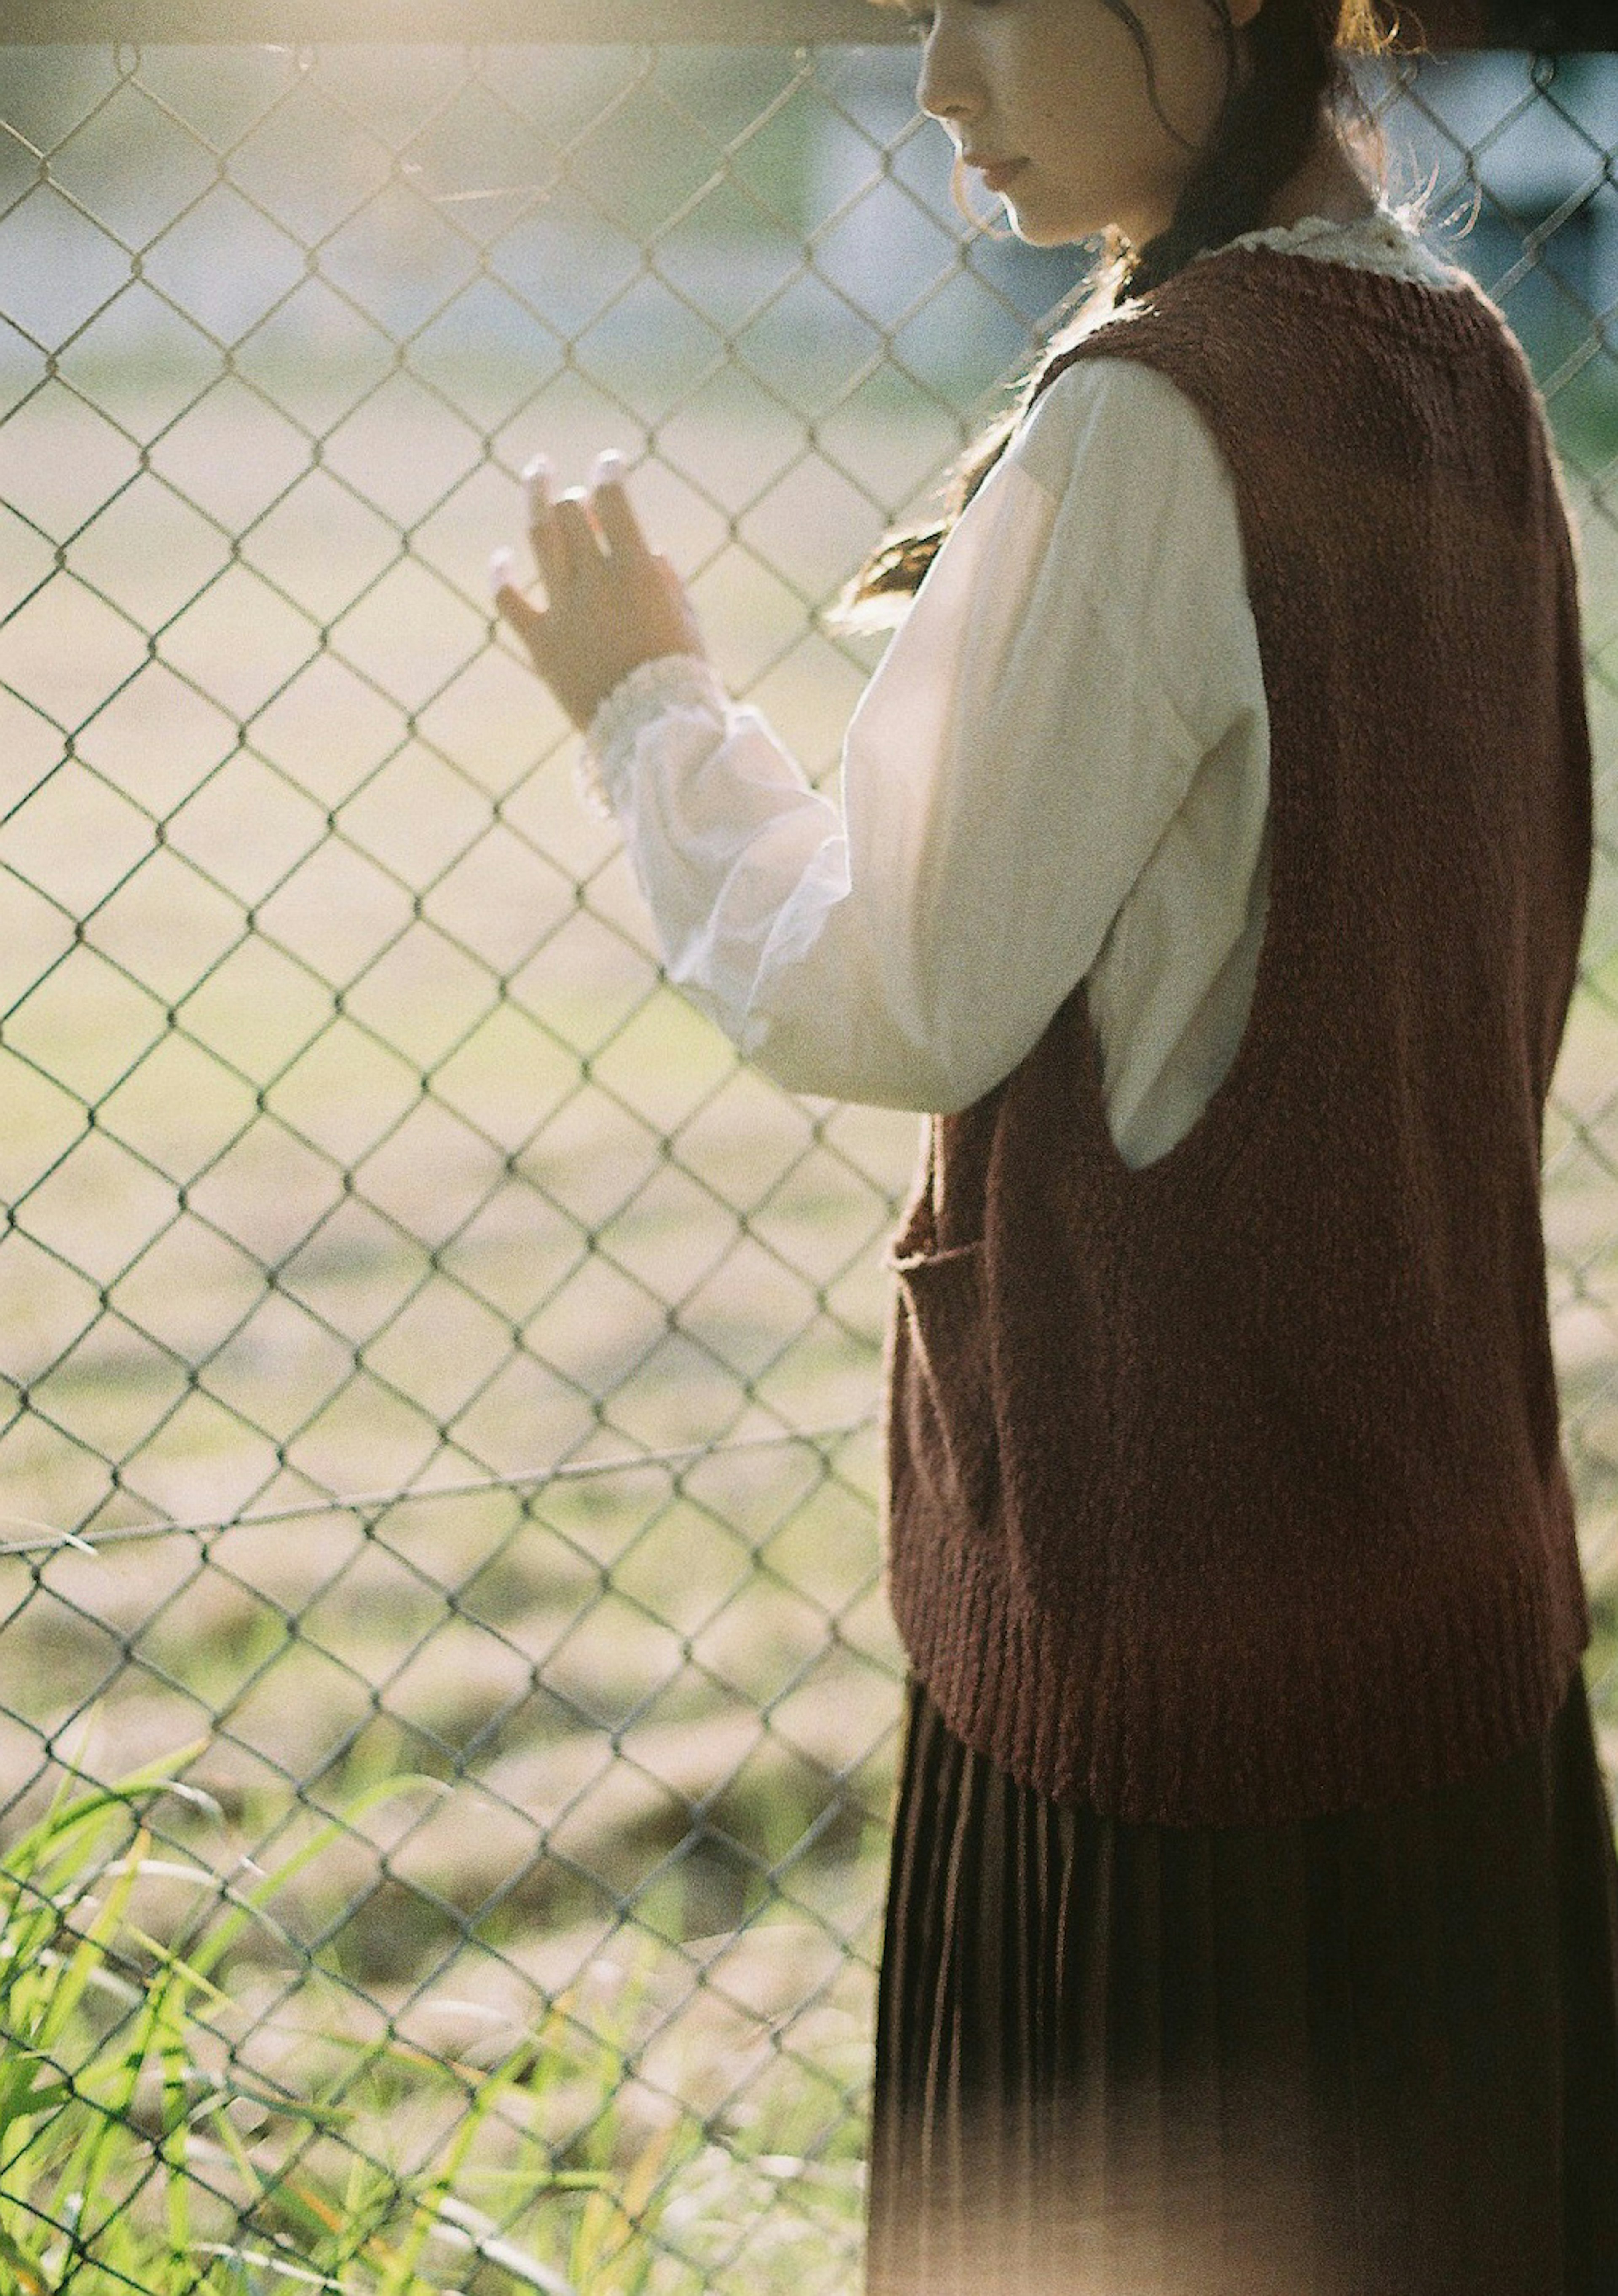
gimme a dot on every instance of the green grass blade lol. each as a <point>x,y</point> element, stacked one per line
<point>251,1902</point>
<point>59,1830</point>
<point>174,2149</point>
<point>29,2275</point>
<point>92,1948</point>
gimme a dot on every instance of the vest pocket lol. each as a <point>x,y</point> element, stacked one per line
<point>942,1432</point>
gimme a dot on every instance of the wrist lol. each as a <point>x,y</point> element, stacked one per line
<point>648,691</point>
<point>668,681</point>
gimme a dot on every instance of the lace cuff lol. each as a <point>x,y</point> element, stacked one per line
<point>674,681</point>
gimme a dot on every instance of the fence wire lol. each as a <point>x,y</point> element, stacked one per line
<point>437,1464</point>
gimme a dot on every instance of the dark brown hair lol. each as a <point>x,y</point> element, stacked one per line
<point>1300,53</point>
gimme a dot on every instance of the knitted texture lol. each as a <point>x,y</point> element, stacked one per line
<point>1230,1490</point>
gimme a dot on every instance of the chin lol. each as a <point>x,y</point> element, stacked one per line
<point>1039,231</point>
<point>1035,229</point>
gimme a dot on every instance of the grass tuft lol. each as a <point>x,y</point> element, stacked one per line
<point>144,2149</point>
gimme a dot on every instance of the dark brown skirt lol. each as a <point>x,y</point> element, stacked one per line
<point>1368,2055</point>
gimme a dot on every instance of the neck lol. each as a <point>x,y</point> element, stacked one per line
<point>1327,184</point>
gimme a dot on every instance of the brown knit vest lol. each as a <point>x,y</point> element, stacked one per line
<point>1230,1489</point>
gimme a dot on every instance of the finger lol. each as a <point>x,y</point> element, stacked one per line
<point>614,512</point>
<point>549,553</point>
<point>503,575</point>
<point>678,598</point>
<point>528,622</point>
<point>576,535</point>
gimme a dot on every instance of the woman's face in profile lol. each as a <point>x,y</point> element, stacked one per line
<point>1053,98</point>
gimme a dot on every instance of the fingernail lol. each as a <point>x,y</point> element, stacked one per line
<point>502,568</point>
<point>610,469</point>
<point>536,484</point>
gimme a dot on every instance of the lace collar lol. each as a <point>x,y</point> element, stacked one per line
<point>1383,240</point>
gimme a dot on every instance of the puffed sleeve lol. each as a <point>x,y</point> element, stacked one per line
<point>1075,651</point>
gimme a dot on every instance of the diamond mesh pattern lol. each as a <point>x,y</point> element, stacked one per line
<point>429,1355</point>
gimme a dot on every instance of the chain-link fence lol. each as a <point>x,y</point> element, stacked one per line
<point>441,1378</point>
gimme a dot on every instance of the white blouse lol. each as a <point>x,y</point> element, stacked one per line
<point>1059,773</point>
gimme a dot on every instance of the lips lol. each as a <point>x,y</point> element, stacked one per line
<point>996,173</point>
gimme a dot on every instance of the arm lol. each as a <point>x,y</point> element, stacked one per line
<point>1031,732</point>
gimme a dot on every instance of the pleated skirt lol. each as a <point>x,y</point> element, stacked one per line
<point>1368,2055</point>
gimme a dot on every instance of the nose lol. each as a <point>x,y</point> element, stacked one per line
<point>946,89</point>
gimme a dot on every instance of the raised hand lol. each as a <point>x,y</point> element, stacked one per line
<point>612,601</point>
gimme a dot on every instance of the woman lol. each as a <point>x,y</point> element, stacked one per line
<point>1210,866</point>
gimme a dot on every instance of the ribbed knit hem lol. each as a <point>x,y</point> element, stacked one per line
<point>1319,1728</point>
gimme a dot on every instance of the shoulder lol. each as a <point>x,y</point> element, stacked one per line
<point>1144,525</point>
<point>1115,413</point>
